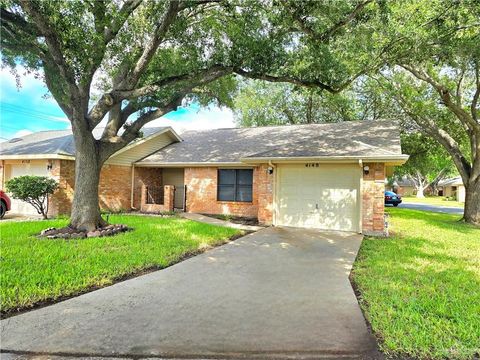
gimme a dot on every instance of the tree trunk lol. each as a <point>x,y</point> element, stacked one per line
<point>420,193</point>
<point>85,208</point>
<point>471,213</point>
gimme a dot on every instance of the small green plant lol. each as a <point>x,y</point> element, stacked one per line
<point>33,190</point>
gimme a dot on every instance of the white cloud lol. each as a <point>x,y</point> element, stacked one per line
<point>21,133</point>
<point>28,80</point>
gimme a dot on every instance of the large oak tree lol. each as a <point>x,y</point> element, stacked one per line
<point>132,61</point>
<point>433,56</point>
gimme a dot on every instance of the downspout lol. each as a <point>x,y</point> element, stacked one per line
<point>132,188</point>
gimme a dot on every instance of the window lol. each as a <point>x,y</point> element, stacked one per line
<point>235,185</point>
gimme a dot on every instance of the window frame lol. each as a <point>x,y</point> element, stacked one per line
<point>235,185</point>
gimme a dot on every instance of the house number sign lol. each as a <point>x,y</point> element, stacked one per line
<point>312,165</point>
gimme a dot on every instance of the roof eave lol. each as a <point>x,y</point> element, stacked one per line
<point>148,138</point>
<point>188,164</point>
<point>388,159</point>
<point>37,156</point>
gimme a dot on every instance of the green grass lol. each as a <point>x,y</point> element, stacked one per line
<point>35,270</point>
<point>420,289</point>
<point>433,200</point>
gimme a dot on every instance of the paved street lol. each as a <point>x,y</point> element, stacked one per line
<point>434,208</point>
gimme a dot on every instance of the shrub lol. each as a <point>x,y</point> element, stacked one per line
<point>33,190</point>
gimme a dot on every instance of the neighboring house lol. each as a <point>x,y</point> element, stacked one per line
<point>452,187</point>
<point>328,176</point>
<point>404,187</point>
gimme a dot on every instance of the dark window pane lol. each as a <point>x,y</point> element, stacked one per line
<point>244,193</point>
<point>226,193</point>
<point>226,177</point>
<point>244,177</point>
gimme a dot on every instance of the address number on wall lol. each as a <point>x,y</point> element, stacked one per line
<point>312,165</point>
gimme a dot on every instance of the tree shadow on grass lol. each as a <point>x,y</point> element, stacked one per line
<point>420,292</point>
<point>439,220</point>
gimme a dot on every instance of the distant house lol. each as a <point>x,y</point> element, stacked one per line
<point>452,187</point>
<point>403,187</point>
<point>326,176</point>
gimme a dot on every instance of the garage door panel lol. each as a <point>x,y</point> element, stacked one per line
<point>325,197</point>
<point>16,170</point>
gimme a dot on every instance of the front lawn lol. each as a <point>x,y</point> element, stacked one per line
<point>420,289</point>
<point>433,200</point>
<point>36,270</point>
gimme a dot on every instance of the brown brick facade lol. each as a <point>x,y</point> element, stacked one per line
<point>201,195</point>
<point>168,200</point>
<point>116,183</point>
<point>373,188</point>
<point>145,176</point>
<point>114,187</point>
<point>61,201</point>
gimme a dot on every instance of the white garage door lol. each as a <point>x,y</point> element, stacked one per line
<point>322,196</point>
<point>39,169</point>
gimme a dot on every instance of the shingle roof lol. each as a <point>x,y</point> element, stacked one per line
<point>54,142</point>
<point>456,181</point>
<point>354,139</point>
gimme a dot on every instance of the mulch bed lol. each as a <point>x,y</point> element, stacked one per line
<point>71,233</point>
<point>236,219</point>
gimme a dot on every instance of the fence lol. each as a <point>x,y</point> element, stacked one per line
<point>154,195</point>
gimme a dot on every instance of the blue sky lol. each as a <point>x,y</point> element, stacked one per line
<point>29,108</point>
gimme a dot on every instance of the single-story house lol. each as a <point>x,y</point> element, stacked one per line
<point>327,176</point>
<point>403,187</point>
<point>452,187</point>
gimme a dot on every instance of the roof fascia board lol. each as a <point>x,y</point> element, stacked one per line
<point>396,159</point>
<point>37,156</point>
<point>191,164</point>
<point>148,138</point>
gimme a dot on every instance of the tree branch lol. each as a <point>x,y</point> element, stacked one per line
<point>343,22</point>
<point>445,95</point>
<point>108,100</point>
<point>127,9</point>
<point>54,46</point>
<point>476,95</point>
<point>326,35</point>
<point>288,79</point>
<point>151,47</point>
<point>203,76</point>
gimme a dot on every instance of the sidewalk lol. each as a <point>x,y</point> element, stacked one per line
<point>218,222</point>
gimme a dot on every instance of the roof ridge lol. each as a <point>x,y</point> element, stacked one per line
<point>296,125</point>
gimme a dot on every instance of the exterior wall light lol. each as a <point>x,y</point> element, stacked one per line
<point>270,170</point>
<point>366,169</point>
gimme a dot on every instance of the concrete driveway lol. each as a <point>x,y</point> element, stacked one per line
<point>277,293</point>
<point>433,208</point>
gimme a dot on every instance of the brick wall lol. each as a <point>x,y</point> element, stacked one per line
<point>114,187</point>
<point>201,196</point>
<point>265,195</point>
<point>373,199</point>
<point>168,200</point>
<point>61,201</point>
<point>145,176</point>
